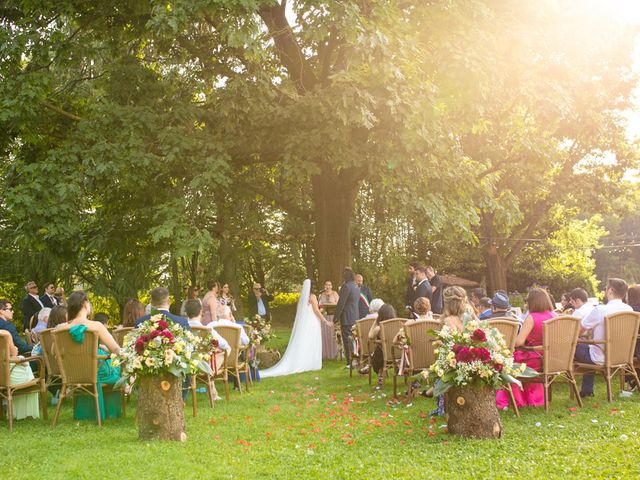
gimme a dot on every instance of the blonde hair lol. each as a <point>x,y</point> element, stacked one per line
<point>455,302</point>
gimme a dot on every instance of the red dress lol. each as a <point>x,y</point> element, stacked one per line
<point>533,393</point>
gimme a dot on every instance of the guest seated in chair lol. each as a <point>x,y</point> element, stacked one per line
<point>540,310</point>
<point>43,319</point>
<point>27,405</point>
<point>386,312</point>
<point>79,308</point>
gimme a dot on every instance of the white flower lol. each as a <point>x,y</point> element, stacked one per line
<point>150,362</point>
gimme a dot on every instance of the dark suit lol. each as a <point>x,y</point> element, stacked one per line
<point>363,308</point>
<point>252,303</point>
<point>182,321</point>
<point>48,302</point>
<point>423,289</point>
<point>29,306</point>
<point>347,312</point>
<point>408,297</point>
<point>23,347</point>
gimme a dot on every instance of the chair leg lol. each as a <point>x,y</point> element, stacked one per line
<point>10,408</point>
<point>225,379</point>
<point>194,395</point>
<point>370,368</point>
<point>237,376</point>
<point>1,409</point>
<point>395,383</point>
<point>63,394</point>
<point>247,377</point>
<point>607,377</point>
<point>573,389</point>
<point>545,385</point>
<point>43,400</point>
<point>97,401</point>
<point>210,390</point>
<point>512,399</point>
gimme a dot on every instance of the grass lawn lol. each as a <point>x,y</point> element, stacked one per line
<point>325,425</point>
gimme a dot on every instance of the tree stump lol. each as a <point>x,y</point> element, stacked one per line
<point>472,412</point>
<point>160,408</point>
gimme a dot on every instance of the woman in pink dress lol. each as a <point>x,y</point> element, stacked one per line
<point>540,310</point>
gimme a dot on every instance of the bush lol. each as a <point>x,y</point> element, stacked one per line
<point>281,299</point>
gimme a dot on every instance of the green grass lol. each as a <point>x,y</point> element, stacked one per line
<point>326,425</point>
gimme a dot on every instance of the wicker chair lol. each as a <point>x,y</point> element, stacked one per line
<point>8,391</point>
<point>362,327</point>
<point>119,334</point>
<point>218,367</point>
<point>79,368</point>
<point>620,335</point>
<point>508,327</point>
<point>388,331</point>
<point>233,365</point>
<point>421,347</point>
<point>54,375</point>
<point>559,339</point>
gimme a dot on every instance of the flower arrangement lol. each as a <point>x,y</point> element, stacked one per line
<point>158,347</point>
<point>260,330</point>
<point>401,338</point>
<point>476,356</point>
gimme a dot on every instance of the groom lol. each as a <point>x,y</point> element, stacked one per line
<point>347,308</point>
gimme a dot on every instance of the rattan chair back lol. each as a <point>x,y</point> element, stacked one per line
<point>508,327</point>
<point>560,335</point>
<point>78,361</point>
<point>362,327</point>
<point>232,336</point>
<point>5,355</point>
<point>48,352</point>
<point>388,330</point>
<point>420,337</point>
<point>621,334</point>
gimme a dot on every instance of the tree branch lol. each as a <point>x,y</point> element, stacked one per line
<point>59,110</point>
<point>282,203</point>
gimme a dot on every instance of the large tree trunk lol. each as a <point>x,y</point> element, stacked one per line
<point>334,197</point>
<point>496,269</point>
<point>160,408</point>
<point>472,412</point>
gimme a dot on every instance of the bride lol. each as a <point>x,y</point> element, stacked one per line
<point>304,351</point>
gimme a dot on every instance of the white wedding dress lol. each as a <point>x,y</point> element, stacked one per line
<point>304,351</point>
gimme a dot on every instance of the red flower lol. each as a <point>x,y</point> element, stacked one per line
<point>139,345</point>
<point>481,354</point>
<point>155,334</point>
<point>162,325</point>
<point>479,336</point>
<point>464,355</point>
<point>498,367</point>
<point>168,335</point>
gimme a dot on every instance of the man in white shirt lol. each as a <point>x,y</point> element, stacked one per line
<point>580,302</point>
<point>594,354</point>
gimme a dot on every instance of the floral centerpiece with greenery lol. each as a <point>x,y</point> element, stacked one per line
<point>260,330</point>
<point>160,346</point>
<point>476,356</point>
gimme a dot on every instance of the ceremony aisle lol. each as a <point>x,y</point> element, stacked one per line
<point>325,425</point>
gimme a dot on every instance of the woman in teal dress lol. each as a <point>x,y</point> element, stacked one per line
<point>110,405</point>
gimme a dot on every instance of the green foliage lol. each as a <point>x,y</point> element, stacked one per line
<point>283,298</point>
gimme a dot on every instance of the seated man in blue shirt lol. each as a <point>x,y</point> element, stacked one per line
<point>6,323</point>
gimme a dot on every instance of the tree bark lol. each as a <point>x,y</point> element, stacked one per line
<point>160,408</point>
<point>496,269</point>
<point>472,412</point>
<point>334,198</point>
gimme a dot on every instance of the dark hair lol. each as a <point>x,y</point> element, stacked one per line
<point>422,269</point>
<point>133,310</point>
<point>421,306</point>
<point>485,301</point>
<point>618,286</point>
<point>213,283</point>
<point>478,292</point>
<point>192,308</point>
<point>75,302</point>
<point>386,312</point>
<point>57,316</point>
<point>159,296</point>
<point>191,292</point>
<point>348,275</point>
<point>103,318</point>
<point>579,294</point>
<point>414,264</point>
<point>633,296</point>
<point>3,303</point>
<point>46,285</point>
<point>538,300</point>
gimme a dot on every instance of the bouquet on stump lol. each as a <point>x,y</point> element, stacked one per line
<point>159,355</point>
<point>470,365</point>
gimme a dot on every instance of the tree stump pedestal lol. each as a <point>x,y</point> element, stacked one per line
<point>160,408</point>
<point>472,412</point>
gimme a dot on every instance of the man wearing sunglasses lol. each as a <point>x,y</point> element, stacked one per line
<point>30,305</point>
<point>6,317</point>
